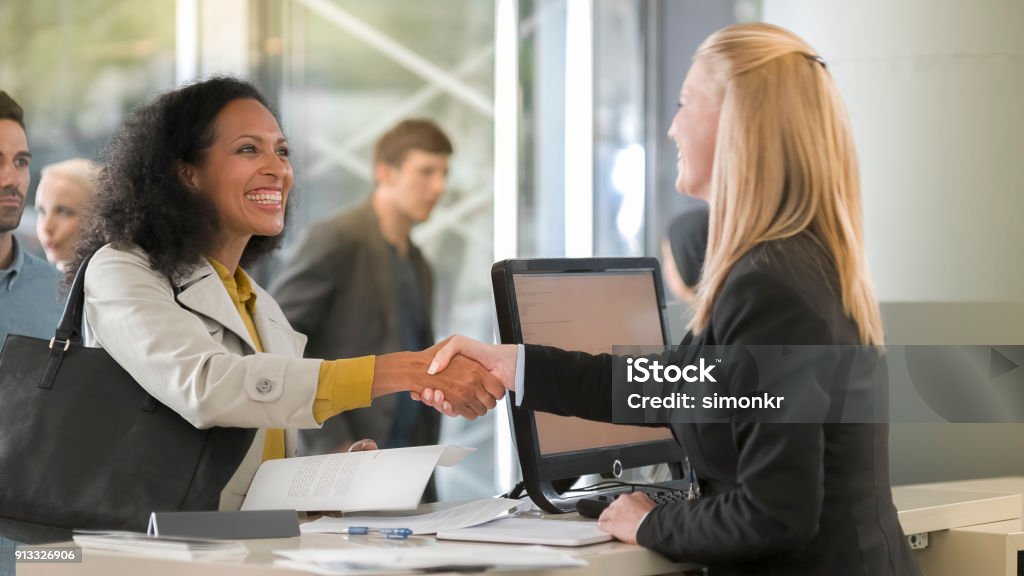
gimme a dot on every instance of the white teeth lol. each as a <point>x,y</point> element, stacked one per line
<point>273,198</point>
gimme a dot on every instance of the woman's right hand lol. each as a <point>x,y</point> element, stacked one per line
<point>498,359</point>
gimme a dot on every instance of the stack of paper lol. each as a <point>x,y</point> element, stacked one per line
<point>162,546</point>
<point>461,516</point>
<point>401,560</point>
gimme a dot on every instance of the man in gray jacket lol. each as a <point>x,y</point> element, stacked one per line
<point>357,285</point>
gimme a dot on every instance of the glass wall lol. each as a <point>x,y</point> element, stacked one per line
<point>582,178</point>
<point>541,130</point>
<point>350,70</point>
<point>620,95</point>
<point>77,67</point>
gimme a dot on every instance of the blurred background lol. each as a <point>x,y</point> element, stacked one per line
<point>558,111</point>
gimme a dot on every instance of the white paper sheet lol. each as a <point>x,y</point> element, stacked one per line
<point>461,516</point>
<point>371,480</point>
<point>340,561</point>
<point>549,532</point>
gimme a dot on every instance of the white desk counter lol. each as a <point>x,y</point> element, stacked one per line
<point>929,509</point>
<point>973,526</point>
<point>606,559</point>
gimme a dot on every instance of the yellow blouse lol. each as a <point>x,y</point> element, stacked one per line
<point>343,384</point>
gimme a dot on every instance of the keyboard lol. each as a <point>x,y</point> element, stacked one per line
<point>591,507</point>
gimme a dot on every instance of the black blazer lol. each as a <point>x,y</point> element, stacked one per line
<point>778,498</point>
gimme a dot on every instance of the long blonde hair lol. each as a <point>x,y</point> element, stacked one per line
<point>784,164</point>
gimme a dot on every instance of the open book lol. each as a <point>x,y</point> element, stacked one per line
<point>352,481</point>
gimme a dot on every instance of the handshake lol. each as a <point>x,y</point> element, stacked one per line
<point>458,376</point>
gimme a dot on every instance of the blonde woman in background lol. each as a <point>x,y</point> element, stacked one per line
<point>62,196</point>
<point>763,135</point>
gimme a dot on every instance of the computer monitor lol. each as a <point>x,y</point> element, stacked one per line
<point>588,305</point>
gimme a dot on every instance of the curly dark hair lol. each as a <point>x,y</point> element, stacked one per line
<point>141,198</point>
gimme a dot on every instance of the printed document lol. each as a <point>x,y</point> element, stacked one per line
<point>370,480</point>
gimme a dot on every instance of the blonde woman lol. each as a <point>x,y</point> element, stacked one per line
<point>63,193</point>
<point>763,136</point>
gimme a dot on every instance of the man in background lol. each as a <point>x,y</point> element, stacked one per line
<point>683,250</point>
<point>357,285</point>
<point>29,302</point>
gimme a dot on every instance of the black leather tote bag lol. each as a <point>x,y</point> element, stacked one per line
<point>82,445</point>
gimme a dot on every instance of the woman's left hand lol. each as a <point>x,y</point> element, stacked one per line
<point>362,445</point>
<point>623,517</point>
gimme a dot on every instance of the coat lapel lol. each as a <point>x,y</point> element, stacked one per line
<point>276,335</point>
<point>203,292</point>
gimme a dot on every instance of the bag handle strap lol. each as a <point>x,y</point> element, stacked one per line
<point>71,320</point>
<point>69,328</point>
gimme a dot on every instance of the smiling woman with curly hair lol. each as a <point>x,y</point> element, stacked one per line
<point>142,199</point>
<point>195,184</point>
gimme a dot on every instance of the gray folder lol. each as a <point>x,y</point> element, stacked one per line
<point>226,525</point>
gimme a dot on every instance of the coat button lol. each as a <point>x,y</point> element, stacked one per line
<point>264,386</point>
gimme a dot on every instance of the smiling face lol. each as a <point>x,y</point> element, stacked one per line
<point>60,203</point>
<point>694,130</point>
<point>14,174</point>
<point>245,172</point>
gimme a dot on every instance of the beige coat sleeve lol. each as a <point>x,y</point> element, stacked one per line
<point>183,359</point>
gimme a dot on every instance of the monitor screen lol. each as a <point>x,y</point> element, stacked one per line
<point>589,312</point>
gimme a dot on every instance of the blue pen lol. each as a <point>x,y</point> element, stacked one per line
<point>398,533</point>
